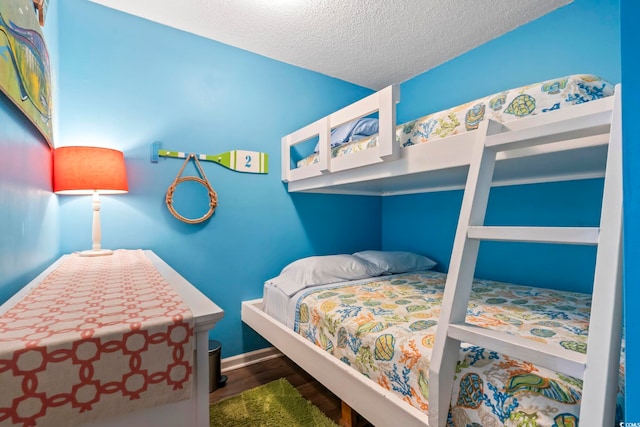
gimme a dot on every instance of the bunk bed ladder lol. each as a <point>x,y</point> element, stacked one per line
<point>599,366</point>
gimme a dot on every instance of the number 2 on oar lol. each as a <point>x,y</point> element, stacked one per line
<point>254,161</point>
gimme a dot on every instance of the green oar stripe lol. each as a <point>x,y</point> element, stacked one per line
<point>229,159</point>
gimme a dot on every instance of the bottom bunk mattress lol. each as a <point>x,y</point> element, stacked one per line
<point>385,327</point>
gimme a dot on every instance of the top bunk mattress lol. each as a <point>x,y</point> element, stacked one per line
<point>502,107</point>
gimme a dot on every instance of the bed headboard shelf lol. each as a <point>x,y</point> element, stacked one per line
<point>581,133</point>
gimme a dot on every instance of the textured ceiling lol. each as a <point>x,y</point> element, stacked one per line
<point>372,43</point>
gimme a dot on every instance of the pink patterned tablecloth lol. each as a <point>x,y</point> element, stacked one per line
<point>98,336</point>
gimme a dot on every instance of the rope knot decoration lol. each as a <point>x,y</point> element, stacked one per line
<point>213,197</point>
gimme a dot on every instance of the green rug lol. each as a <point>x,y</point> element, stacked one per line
<point>276,404</point>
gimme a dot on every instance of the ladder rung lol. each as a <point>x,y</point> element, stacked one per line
<point>592,124</point>
<point>563,235</point>
<point>558,359</point>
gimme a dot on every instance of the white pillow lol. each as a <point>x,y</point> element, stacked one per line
<point>393,262</point>
<point>321,270</point>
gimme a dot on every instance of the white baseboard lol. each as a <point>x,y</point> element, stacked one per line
<point>246,359</point>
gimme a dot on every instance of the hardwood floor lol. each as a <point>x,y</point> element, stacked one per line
<point>252,376</point>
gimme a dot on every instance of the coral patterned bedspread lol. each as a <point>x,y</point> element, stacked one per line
<point>502,107</point>
<point>385,329</point>
<point>99,336</point>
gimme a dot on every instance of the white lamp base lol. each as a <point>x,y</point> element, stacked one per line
<point>96,252</point>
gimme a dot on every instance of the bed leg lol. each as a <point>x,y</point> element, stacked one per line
<point>348,417</point>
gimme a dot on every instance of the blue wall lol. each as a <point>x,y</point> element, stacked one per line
<point>582,37</point>
<point>630,12</point>
<point>426,223</point>
<point>29,233</point>
<point>127,82</point>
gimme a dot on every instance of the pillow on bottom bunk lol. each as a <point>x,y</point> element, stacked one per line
<point>394,262</point>
<point>322,270</point>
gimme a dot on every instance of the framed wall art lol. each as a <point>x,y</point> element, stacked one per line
<point>25,73</point>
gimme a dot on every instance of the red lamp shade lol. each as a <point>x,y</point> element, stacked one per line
<point>84,170</point>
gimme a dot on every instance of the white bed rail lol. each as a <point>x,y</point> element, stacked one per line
<point>383,102</point>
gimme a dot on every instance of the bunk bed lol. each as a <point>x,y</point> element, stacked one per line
<point>471,341</point>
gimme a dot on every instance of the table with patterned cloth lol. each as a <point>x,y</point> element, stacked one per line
<point>95,337</point>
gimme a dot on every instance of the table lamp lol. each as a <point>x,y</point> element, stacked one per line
<point>90,170</point>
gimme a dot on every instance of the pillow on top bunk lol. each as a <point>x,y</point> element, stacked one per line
<point>394,262</point>
<point>322,270</point>
<point>351,131</point>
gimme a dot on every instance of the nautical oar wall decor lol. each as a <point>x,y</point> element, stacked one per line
<point>236,160</point>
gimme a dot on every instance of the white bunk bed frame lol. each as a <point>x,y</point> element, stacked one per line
<point>442,165</point>
<point>583,141</point>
